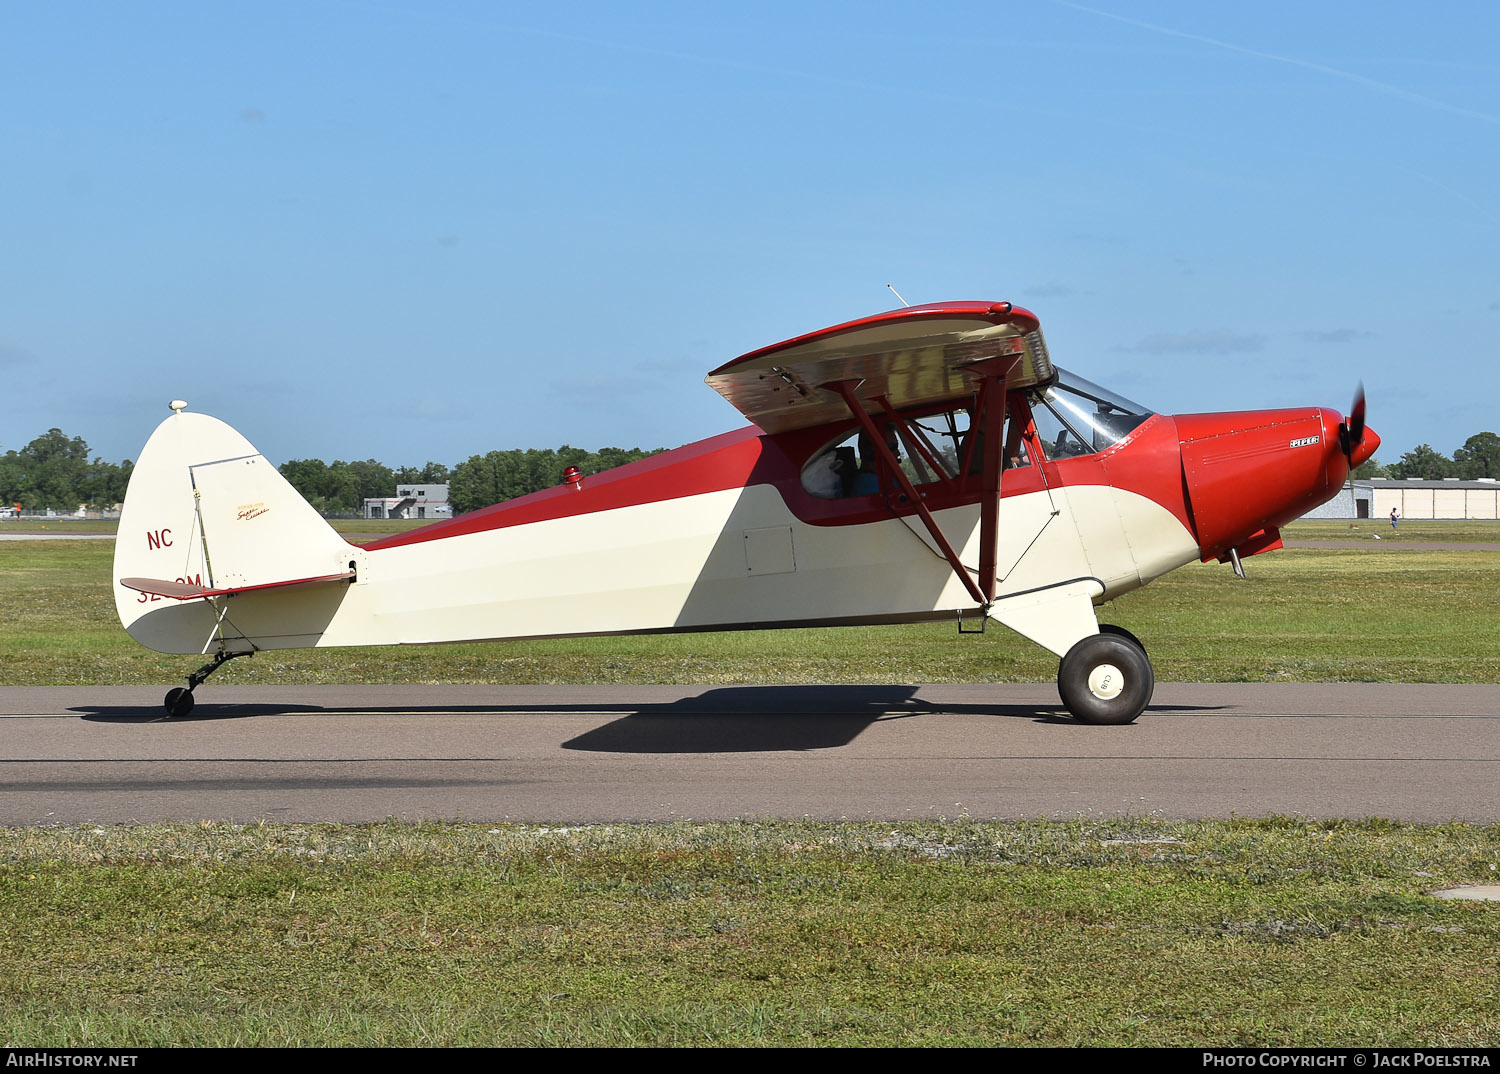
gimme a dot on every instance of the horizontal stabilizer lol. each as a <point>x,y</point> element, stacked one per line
<point>160,587</point>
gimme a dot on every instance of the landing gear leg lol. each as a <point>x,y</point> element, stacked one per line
<point>179,700</point>
<point>1106,678</point>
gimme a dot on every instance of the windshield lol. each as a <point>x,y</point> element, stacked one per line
<point>1078,417</point>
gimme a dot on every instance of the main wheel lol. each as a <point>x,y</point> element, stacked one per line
<point>179,701</point>
<point>1106,679</point>
<point>1110,628</point>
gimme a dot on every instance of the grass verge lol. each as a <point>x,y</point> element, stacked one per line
<point>1275,933</point>
<point>1247,933</point>
<point>1469,530</point>
<point>1303,615</point>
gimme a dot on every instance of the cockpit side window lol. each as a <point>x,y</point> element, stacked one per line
<point>1018,428</point>
<point>1057,438</point>
<point>928,450</point>
<point>934,446</point>
<point>846,467</point>
<point>829,474</point>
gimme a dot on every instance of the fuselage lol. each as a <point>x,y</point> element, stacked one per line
<point>732,532</point>
<point>920,463</point>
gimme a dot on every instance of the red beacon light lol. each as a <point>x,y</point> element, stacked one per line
<point>573,476</point>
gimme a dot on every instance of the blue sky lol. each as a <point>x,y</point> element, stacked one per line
<point>412,231</point>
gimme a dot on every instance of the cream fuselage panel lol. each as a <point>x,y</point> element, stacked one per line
<point>732,558</point>
<point>692,563</point>
<point>1128,539</point>
<point>679,564</point>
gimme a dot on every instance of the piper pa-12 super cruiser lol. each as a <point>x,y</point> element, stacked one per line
<point>926,463</point>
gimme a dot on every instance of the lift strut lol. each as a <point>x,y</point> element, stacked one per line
<point>989,419</point>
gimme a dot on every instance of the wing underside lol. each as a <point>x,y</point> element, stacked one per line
<point>909,357</point>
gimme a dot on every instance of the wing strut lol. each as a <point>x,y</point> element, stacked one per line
<point>992,400</point>
<point>992,446</point>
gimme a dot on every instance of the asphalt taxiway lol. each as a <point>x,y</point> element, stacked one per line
<point>75,755</point>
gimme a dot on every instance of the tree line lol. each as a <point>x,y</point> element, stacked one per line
<point>480,481</point>
<point>55,471</point>
<point>503,475</point>
<point>338,486</point>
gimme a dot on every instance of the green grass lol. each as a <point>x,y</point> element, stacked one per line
<point>1303,615</point>
<point>1274,933</point>
<point>1420,529</point>
<point>361,530</point>
<point>351,527</point>
<point>1252,934</point>
<point>1441,529</point>
<point>58,525</point>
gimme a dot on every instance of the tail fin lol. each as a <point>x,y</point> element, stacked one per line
<point>205,509</point>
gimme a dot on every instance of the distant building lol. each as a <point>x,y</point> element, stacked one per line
<point>1350,502</point>
<point>1449,498</point>
<point>411,501</point>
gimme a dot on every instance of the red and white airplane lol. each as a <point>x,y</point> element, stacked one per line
<point>926,463</point>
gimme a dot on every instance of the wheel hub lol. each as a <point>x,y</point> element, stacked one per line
<point>1106,682</point>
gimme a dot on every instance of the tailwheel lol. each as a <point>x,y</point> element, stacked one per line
<point>1106,678</point>
<point>179,701</point>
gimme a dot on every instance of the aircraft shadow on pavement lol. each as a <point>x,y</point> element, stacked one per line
<point>766,718</point>
<point>732,719</point>
<point>202,713</point>
<point>729,719</point>
<point>748,719</point>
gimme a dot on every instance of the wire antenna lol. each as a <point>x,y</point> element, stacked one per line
<point>898,295</point>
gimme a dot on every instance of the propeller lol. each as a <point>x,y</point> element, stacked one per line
<point>1352,429</point>
<point>1352,437</point>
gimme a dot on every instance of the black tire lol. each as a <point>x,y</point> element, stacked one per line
<point>179,701</point>
<point>1110,628</point>
<point>1106,679</point>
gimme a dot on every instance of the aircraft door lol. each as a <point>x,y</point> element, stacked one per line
<point>1044,586</point>
<point>955,467</point>
<point>1029,506</point>
<point>1074,427</point>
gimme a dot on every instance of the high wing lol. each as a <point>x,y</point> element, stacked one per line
<point>911,357</point>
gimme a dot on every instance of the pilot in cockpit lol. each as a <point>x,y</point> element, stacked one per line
<point>867,480</point>
<point>846,469</point>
